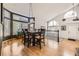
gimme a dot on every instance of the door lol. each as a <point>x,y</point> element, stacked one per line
<point>72,31</point>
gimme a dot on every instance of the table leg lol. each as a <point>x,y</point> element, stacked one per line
<point>33,40</point>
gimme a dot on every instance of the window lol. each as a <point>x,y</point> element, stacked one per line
<point>70,14</point>
<point>52,23</point>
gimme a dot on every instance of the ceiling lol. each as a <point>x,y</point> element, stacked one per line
<point>38,8</point>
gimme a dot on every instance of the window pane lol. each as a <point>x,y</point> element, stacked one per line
<point>24,25</point>
<point>50,23</point>
<point>16,17</point>
<point>6,14</point>
<point>6,27</point>
<point>31,21</point>
<point>16,27</point>
<point>53,23</point>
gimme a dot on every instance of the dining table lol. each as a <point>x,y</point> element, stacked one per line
<point>33,34</point>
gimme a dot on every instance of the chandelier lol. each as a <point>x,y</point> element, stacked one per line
<point>30,10</point>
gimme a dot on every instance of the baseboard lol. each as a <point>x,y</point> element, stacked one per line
<point>69,39</point>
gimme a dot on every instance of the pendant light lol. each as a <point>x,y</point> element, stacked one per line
<point>31,12</point>
<point>31,15</point>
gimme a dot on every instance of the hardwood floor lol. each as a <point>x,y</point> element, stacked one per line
<point>15,47</point>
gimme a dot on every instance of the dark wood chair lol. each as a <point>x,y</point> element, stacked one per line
<point>27,37</point>
<point>40,36</point>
